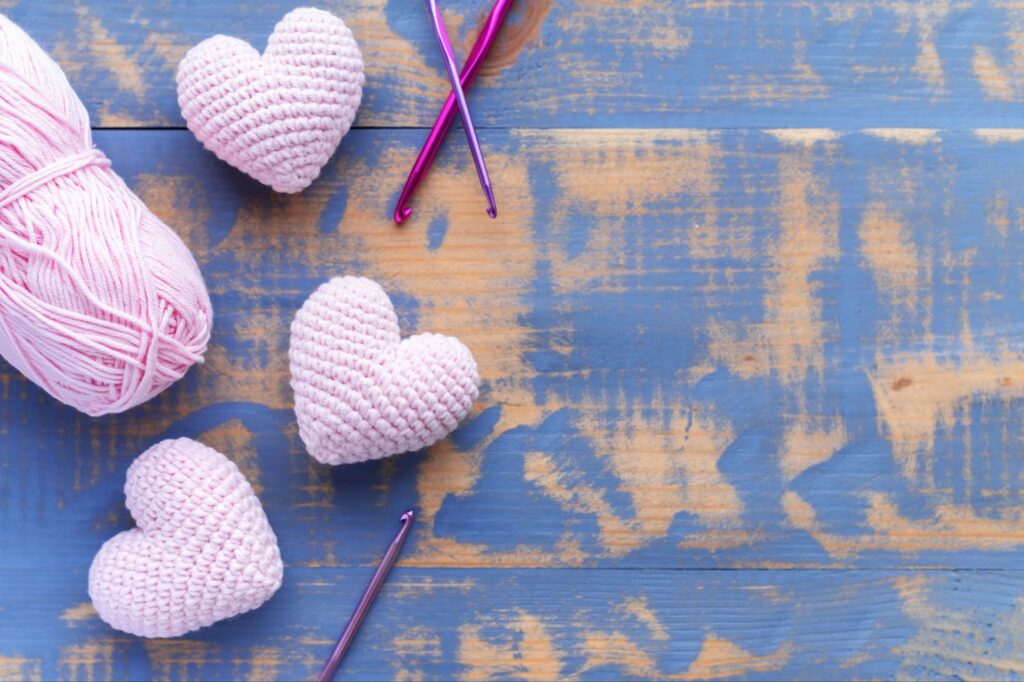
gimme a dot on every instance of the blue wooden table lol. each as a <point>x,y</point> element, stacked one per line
<point>749,326</point>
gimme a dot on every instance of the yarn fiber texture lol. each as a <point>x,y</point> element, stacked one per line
<point>361,391</point>
<point>101,304</point>
<point>280,116</point>
<point>203,550</point>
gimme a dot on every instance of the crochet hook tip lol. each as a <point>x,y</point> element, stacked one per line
<point>401,214</point>
<point>492,206</point>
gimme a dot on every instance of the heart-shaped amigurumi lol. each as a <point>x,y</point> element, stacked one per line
<point>280,116</point>
<point>361,391</point>
<point>203,549</point>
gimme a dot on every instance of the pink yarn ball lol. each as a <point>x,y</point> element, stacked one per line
<point>203,550</point>
<point>101,304</point>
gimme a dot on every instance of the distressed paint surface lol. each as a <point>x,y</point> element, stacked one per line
<point>586,63</point>
<point>753,303</point>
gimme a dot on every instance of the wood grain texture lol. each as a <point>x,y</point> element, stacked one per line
<point>593,63</point>
<point>753,378</point>
<point>570,624</point>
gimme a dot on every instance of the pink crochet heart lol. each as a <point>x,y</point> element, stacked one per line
<point>361,392</point>
<point>280,116</point>
<point>203,549</point>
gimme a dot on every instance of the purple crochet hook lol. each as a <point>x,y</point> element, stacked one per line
<point>467,119</point>
<point>476,58</point>
<point>386,562</point>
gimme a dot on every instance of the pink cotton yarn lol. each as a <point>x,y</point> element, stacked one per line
<point>361,391</point>
<point>203,550</point>
<point>101,304</point>
<point>280,116</point>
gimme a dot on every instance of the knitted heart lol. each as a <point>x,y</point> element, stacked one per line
<point>361,392</point>
<point>280,116</point>
<point>203,549</point>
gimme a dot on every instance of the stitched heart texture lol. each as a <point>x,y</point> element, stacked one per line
<point>280,116</point>
<point>361,391</point>
<point>202,550</point>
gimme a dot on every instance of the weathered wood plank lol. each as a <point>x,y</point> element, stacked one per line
<point>547,624</point>
<point>748,349</point>
<point>579,63</point>
<point>723,348</point>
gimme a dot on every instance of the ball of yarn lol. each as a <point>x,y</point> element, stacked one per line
<point>203,550</point>
<point>101,304</point>
<point>277,116</point>
<point>361,391</point>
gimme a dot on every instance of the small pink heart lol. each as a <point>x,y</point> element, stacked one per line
<point>203,550</point>
<point>280,116</point>
<point>361,392</point>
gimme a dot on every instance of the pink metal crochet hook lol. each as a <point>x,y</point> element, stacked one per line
<point>386,562</point>
<point>476,58</point>
<point>460,96</point>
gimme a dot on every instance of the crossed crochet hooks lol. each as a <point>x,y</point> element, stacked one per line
<point>456,102</point>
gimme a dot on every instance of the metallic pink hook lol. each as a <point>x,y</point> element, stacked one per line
<point>467,119</point>
<point>476,58</point>
<point>386,562</point>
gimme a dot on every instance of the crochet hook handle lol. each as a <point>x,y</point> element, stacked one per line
<point>460,96</point>
<point>386,562</point>
<point>477,55</point>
